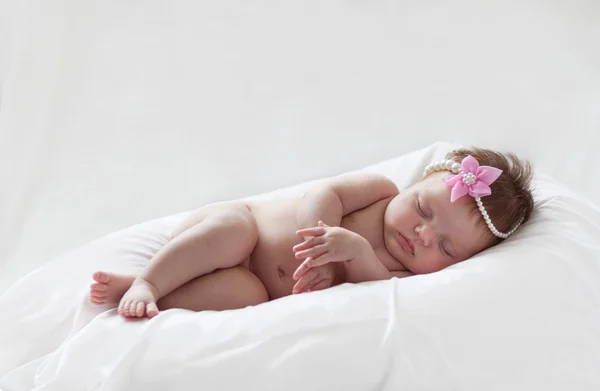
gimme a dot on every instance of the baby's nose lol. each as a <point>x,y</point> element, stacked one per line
<point>426,234</point>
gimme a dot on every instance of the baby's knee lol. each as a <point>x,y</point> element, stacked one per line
<point>239,224</point>
<point>240,216</point>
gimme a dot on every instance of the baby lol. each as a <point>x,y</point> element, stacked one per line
<point>352,228</point>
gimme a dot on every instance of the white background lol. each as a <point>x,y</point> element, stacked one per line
<point>117,112</point>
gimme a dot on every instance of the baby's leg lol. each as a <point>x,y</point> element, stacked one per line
<point>222,289</point>
<point>217,236</point>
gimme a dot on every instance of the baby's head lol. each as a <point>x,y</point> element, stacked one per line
<point>437,222</point>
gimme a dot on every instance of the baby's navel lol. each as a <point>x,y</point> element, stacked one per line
<point>280,272</point>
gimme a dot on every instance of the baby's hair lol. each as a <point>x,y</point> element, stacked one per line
<point>511,197</point>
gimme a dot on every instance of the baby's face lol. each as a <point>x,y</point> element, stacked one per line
<point>426,232</point>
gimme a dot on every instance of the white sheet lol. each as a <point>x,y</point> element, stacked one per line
<point>117,112</point>
<point>520,316</point>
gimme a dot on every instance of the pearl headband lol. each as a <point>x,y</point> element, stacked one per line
<point>473,179</point>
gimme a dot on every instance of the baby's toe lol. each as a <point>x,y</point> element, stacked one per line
<point>99,287</point>
<point>132,308</point>
<point>99,294</point>
<point>139,309</point>
<point>151,310</point>
<point>125,308</point>
<point>101,277</point>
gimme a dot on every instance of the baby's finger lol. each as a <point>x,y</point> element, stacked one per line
<point>322,224</point>
<point>314,231</point>
<point>321,260</point>
<point>309,243</point>
<point>302,269</point>
<point>305,280</point>
<point>310,263</point>
<point>313,252</point>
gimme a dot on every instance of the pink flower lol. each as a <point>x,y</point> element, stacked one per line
<point>474,179</point>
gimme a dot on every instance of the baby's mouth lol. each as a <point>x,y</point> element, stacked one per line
<point>412,246</point>
<point>406,244</point>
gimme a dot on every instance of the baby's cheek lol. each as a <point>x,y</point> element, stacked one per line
<point>437,263</point>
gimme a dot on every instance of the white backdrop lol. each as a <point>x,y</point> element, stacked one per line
<point>116,112</point>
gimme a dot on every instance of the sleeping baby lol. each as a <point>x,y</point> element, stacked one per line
<point>351,228</point>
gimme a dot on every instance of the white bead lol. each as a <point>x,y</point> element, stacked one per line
<point>455,167</point>
<point>469,179</point>
<point>449,164</point>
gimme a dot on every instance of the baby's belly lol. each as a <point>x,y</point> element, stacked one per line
<point>272,260</point>
<point>275,272</point>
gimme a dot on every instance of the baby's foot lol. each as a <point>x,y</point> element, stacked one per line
<point>139,300</point>
<point>109,287</point>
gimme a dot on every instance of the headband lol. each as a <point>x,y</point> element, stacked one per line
<point>472,179</point>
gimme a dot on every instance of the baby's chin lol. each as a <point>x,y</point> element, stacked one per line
<point>395,252</point>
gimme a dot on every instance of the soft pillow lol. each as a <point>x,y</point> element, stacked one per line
<point>520,316</point>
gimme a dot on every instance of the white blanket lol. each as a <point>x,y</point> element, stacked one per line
<point>520,316</point>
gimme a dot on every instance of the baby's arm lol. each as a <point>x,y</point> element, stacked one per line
<point>342,195</point>
<point>366,266</point>
<point>329,201</point>
<point>339,246</point>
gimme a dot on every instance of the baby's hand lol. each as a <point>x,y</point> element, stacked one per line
<point>315,279</point>
<point>326,245</point>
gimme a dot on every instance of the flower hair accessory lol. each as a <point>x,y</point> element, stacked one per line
<point>472,179</point>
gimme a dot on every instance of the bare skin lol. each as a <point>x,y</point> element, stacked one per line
<point>209,292</point>
<point>108,288</point>
<point>233,254</point>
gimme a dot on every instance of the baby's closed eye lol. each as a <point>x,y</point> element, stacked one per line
<point>423,211</point>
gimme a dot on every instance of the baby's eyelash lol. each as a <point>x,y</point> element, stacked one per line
<point>419,208</point>
<point>421,211</point>
<point>443,250</point>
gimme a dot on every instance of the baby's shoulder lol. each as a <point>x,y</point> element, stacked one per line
<point>370,214</point>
